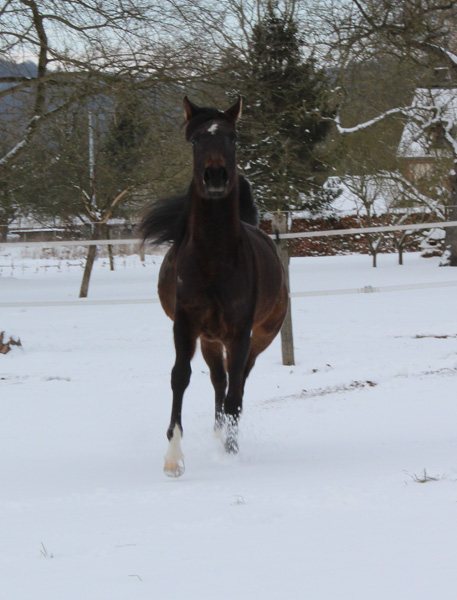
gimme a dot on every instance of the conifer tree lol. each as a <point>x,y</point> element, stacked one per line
<point>284,130</point>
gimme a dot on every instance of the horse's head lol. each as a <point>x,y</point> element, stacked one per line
<point>213,137</point>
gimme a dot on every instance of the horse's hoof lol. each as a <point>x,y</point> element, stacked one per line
<point>231,436</point>
<point>174,469</point>
<point>231,445</point>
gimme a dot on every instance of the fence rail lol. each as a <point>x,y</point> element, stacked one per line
<point>367,289</point>
<point>356,230</point>
<point>278,236</point>
<point>71,243</point>
<point>282,236</point>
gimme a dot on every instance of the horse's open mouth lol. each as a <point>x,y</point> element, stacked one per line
<point>216,192</point>
<point>216,181</point>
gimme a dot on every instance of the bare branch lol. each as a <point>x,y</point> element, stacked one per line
<point>114,203</point>
<point>405,110</point>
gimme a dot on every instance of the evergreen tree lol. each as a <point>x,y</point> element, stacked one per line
<point>123,149</point>
<point>287,101</point>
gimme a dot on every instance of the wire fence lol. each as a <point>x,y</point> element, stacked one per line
<point>281,236</point>
<point>368,289</point>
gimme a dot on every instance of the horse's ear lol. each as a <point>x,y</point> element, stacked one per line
<point>233,113</point>
<point>190,109</point>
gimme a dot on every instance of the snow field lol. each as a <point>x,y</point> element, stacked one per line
<point>322,500</point>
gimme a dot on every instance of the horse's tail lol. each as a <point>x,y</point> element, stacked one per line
<point>164,220</point>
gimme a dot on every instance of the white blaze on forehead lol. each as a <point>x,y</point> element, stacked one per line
<point>213,128</point>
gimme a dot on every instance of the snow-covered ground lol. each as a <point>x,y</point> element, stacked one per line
<point>324,500</point>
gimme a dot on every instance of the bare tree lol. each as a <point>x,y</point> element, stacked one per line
<point>367,192</point>
<point>413,32</point>
<point>387,198</point>
<point>80,48</point>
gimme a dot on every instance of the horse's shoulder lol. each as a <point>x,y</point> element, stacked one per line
<point>254,231</point>
<point>258,238</point>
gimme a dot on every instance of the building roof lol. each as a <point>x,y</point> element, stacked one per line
<point>417,140</point>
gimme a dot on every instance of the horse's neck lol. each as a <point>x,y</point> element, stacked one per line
<point>215,224</point>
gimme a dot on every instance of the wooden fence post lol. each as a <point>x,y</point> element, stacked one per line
<point>287,337</point>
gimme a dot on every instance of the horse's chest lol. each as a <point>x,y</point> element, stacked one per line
<point>219,321</point>
<point>215,309</point>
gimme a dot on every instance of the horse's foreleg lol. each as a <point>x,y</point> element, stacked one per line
<point>180,377</point>
<point>237,354</point>
<point>213,353</point>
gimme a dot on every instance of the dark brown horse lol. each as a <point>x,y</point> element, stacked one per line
<point>221,281</point>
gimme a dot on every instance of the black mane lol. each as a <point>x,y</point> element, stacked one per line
<point>165,220</point>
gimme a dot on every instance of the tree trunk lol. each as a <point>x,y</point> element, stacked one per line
<point>3,232</point>
<point>110,249</point>
<point>91,254</point>
<point>450,241</point>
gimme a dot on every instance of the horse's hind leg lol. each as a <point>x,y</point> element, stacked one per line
<point>180,376</point>
<point>213,353</point>
<point>263,334</point>
<point>259,342</point>
<point>237,355</point>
